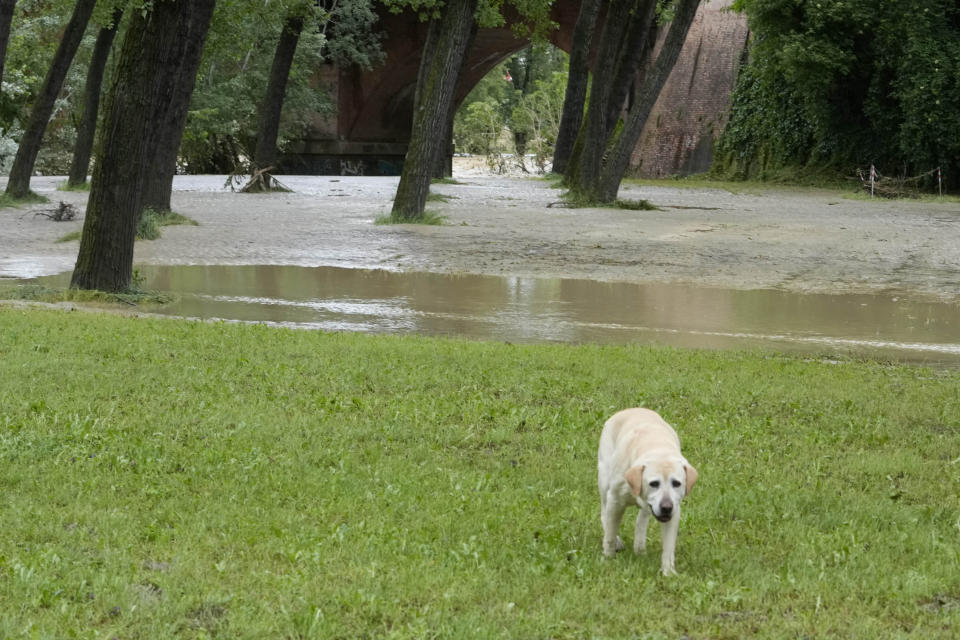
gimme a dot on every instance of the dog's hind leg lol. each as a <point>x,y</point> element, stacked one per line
<point>640,531</point>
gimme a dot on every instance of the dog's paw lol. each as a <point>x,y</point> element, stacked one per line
<point>611,548</point>
<point>668,571</point>
<point>639,547</point>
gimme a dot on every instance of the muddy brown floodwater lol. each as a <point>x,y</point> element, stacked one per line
<point>778,241</point>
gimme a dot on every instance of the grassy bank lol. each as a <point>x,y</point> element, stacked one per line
<point>166,478</point>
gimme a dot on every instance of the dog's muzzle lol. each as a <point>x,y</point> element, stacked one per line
<point>666,512</point>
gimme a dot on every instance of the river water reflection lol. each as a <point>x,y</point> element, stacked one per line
<point>564,310</point>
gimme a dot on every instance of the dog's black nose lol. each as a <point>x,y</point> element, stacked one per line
<point>666,508</point>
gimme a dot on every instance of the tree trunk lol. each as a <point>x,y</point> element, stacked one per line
<point>153,76</point>
<point>443,165</point>
<point>18,184</point>
<point>595,129</point>
<point>577,80</point>
<point>6,15</point>
<point>170,120</point>
<point>447,41</point>
<point>91,104</point>
<point>619,158</point>
<point>268,126</point>
<point>636,45</point>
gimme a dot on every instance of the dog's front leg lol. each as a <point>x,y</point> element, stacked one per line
<point>640,531</point>
<point>611,515</point>
<point>668,536</point>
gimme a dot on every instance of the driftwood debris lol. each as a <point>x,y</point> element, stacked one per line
<point>893,186</point>
<point>63,213</point>
<point>260,181</point>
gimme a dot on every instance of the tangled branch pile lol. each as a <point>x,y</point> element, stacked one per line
<point>63,213</point>
<point>892,186</point>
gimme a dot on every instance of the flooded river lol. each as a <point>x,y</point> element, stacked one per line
<point>540,310</point>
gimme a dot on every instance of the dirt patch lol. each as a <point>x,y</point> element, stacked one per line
<point>797,240</point>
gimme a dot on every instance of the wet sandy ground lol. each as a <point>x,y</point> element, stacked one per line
<point>793,240</point>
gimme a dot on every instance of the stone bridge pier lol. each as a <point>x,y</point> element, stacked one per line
<point>369,132</point>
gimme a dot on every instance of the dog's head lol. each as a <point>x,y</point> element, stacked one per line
<point>661,485</point>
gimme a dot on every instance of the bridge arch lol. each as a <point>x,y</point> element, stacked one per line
<point>369,132</point>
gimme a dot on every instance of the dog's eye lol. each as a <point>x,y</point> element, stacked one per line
<point>654,483</point>
<point>676,484</point>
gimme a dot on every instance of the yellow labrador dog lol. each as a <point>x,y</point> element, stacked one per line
<point>639,463</point>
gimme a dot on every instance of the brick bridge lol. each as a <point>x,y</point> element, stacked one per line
<point>368,134</point>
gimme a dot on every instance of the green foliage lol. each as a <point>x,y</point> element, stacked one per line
<point>515,109</point>
<point>221,126</point>
<point>73,236</point>
<point>34,35</point>
<point>40,293</point>
<point>429,218</point>
<point>635,205</point>
<point>168,478</point>
<point>66,186</point>
<point>148,227</point>
<point>6,200</point>
<point>841,84</point>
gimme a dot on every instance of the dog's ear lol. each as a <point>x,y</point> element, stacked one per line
<point>634,476</point>
<point>691,477</point>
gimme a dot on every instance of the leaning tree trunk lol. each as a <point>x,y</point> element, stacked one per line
<point>446,46</point>
<point>577,81</point>
<point>268,127</point>
<point>170,121</point>
<point>586,168</point>
<point>18,184</point>
<point>637,42</point>
<point>151,77</point>
<point>91,103</point>
<point>443,165</point>
<point>6,15</point>
<point>619,157</point>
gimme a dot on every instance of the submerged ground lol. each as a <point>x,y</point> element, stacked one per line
<point>799,240</point>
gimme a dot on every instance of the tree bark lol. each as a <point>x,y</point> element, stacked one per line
<point>619,158</point>
<point>153,76</point>
<point>577,81</point>
<point>171,119</point>
<point>637,44</point>
<point>6,15</point>
<point>591,148</point>
<point>443,167</point>
<point>268,127</point>
<point>447,40</point>
<point>18,184</point>
<point>91,104</point>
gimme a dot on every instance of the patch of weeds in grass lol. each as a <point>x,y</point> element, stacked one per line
<point>429,218</point>
<point>574,201</point>
<point>66,186</point>
<point>440,197</point>
<point>8,201</point>
<point>148,228</point>
<point>635,205</point>
<point>70,237</point>
<point>445,181</point>
<point>554,179</point>
<point>41,293</point>
<point>752,186</point>
<point>931,198</point>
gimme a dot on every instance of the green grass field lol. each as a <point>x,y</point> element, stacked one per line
<point>174,479</point>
